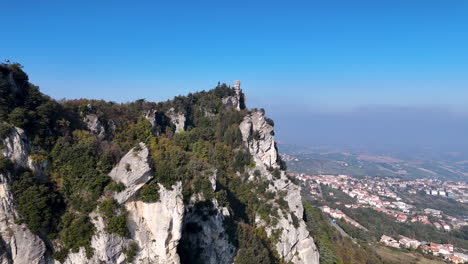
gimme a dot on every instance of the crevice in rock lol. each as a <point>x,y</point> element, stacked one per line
<point>5,252</point>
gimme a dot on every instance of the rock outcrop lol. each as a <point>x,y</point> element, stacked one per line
<point>16,147</point>
<point>232,101</point>
<point>19,244</point>
<point>204,229</point>
<point>94,125</point>
<point>178,119</point>
<point>133,171</point>
<point>161,229</point>
<point>235,101</point>
<point>151,117</point>
<point>294,242</point>
<point>157,227</point>
<point>108,248</point>
<point>258,135</point>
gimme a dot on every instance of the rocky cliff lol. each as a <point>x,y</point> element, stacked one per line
<point>157,227</point>
<point>207,218</point>
<point>18,244</point>
<point>133,171</point>
<point>294,242</point>
<point>144,182</point>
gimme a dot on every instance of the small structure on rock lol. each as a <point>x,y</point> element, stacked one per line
<point>236,101</point>
<point>237,86</point>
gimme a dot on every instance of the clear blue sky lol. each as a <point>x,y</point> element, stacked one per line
<point>291,56</point>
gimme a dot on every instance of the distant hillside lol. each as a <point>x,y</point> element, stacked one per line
<point>360,164</point>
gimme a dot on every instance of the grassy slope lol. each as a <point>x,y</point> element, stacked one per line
<point>391,256</point>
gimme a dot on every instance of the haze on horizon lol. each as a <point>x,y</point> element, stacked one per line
<point>377,74</point>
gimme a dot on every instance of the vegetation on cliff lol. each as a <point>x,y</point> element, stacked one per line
<point>77,181</point>
<point>332,246</point>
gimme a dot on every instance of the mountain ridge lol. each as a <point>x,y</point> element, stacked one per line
<point>196,179</point>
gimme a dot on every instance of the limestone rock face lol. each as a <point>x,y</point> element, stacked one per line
<point>77,258</point>
<point>232,101</point>
<point>178,119</point>
<point>157,227</point>
<point>151,117</point>
<point>21,245</point>
<point>258,136</point>
<point>133,171</point>
<point>211,240</point>
<point>295,243</point>
<point>94,125</point>
<point>107,247</point>
<point>18,244</point>
<point>16,147</point>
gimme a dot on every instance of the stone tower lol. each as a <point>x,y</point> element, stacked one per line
<point>237,100</point>
<point>237,87</point>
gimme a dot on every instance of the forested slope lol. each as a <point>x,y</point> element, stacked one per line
<point>196,179</point>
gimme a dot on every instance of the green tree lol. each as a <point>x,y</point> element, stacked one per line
<point>38,204</point>
<point>252,249</point>
<point>19,117</point>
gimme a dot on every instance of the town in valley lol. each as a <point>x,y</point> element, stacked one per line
<point>438,206</point>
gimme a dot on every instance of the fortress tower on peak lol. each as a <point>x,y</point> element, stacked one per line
<point>237,86</point>
<point>236,100</point>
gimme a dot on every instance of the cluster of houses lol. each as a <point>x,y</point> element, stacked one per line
<point>443,250</point>
<point>402,217</point>
<point>404,242</point>
<point>399,217</point>
<point>377,193</point>
<point>435,187</point>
